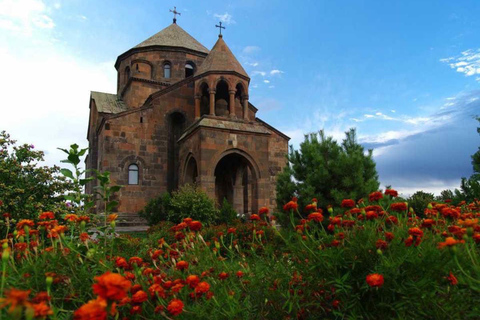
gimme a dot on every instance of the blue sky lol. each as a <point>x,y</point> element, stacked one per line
<point>406,74</point>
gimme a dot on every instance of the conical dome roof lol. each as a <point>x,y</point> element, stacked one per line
<point>173,36</point>
<point>221,58</point>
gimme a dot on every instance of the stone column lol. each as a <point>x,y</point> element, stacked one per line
<point>245,107</point>
<point>232,102</point>
<point>197,106</point>
<point>212,102</point>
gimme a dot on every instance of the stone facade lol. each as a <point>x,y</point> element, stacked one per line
<point>182,115</point>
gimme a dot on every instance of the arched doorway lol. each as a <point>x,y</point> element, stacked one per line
<point>236,181</point>
<point>191,171</point>
<point>176,123</point>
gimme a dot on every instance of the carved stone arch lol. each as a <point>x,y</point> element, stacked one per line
<point>190,169</point>
<point>199,85</point>
<point>129,160</point>
<point>219,155</point>
<point>242,85</point>
<point>222,78</point>
<point>152,67</point>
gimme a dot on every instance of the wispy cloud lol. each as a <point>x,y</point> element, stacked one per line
<point>266,81</point>
<point>225,18</point>
<point>24,16</point>
<point>276,72</point>
<point>261,73</point>
<point>250,49</point>
<point>468,62</point>
<point>252,64</point>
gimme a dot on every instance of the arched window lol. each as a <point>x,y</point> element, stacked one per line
<point>166,70</point>
<point>188,70</point>
<point>127,73</point>
<point>133,174</point>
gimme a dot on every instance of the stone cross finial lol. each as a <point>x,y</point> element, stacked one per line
<point>220,27</point>
<point>175,12</point>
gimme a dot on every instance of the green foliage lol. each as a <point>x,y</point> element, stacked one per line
<point>191,201</point>
<point>329,171</point>
<point>227,214</point>
<point>156,209</point>
<point>26,188</point>
<point>420,200</point>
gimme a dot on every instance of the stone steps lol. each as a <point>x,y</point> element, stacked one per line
<point>130,222</point>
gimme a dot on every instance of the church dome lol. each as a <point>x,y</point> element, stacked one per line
<point>173,36</point>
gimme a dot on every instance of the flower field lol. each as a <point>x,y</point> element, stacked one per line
<point>368,259</point>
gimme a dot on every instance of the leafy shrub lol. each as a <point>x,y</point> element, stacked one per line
<point>191,201</point>
<point>156,209</point>
<point>227,214</point>
<point>420,200</point>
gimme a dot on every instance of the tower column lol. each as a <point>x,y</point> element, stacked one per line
<point>245,107</point>
<point>232,102</point>
<point>212,101</point>
<point>197,106</point>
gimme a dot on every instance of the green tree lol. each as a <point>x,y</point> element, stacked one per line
<point>26,188</point>
<point>420,200</point>
<point>328,171</point>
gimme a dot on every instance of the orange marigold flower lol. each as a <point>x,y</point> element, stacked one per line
<point>192,280</point>
<point>94,309</point>
<point>112,217</point>
<point>202,287</point>
<point>175,307</point>
<point>399,206</point>
<point>452,279</point>
<point>111,286</point>
<point>139,297</point>
<point>46,215</point>
<point>347,203</point>
<point>449,242</point>
<point>310,207</point>
<point>41,310</point>
<point>255,217</point>
<point>195,225</point>
<point>136,310</point>
<point>315,216</point>
<point>231,231</point>
<point>239,274</point>
<point>468,223</point>
<point>291,205</point>
<point>223,275</point>
<point>416,232</point>
<point>135,260</point>
<point>25,223</point>
<point>391,220</point>
<point>157,289</point>
<point>83,218</point>
<point>391,192</point>
<point>14,298</point>
<point>381,244</point>
<point>375,280</point>
<point>71,217</point>
<point>427,223</point>
<point>263,210</point>
<point>371,215</point>
<point>375,196</point>
<point>84,236</point>
<point>389,236</point>
<point>120,262</point>
<point>181,265</point>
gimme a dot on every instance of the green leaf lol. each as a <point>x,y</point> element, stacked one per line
<point>111,205</point>
<point>67,173</point>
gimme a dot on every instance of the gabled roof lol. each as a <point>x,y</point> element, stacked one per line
<point>221,58</point>
<point>173,36</point>
<point>108,103</point>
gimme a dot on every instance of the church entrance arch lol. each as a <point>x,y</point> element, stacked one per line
<point>236,180</point>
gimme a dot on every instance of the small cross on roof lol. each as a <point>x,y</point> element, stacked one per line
<point>220,27</point>
<point>175,12</point>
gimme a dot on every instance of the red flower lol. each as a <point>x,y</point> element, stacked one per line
<point>182,265</point>
<point>175,307</point>
<point>231,231</point>
<point>255,217</point>
<point>389,236</point>
<point>202,287</point>
<point>371,215</point>
<point>240,274</point>
<point>375,196</point>
<point>94,309</point>
<point>46,215</point>
<point>25,223</point>
<point>375,280</point>
<point>398,206</point>
<point>416,232</point>
<point>391,220</point>
<point>156,289</point>
<point>139,297</point>
<point>315,216</point>
<point>347,203</point>
<point>392,193</point>
<point>263,210</point>
<point>84,236</point>
<point>121,262</point>
<point>223,276</point>
<point>310,207</point>
<point>41,310</point>
<point>452,279</point>
<point>111,286</point>
<point>14,298</point>
<point>292,205</point>
<point>135,260</point>
<point>193,281</point>
<point>381,244</point>
<point>195,225</point>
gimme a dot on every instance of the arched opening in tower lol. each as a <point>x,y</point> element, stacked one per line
<point>236,181</point>
<point>176,123</point>
<point>191,172</point>
<point>221,99</point>
<point>204,100</point>
<point>240,92</point>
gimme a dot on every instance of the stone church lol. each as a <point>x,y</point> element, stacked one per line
<point>181,115</point>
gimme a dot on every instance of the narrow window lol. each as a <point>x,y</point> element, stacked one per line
<point>133,174</point>
<point>127,73</point>
<point>141,119</point>
<point>188,70</point>
<point>166,70</point>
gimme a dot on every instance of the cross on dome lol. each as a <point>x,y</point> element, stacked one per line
<point>220,27</point>
<point>175,12</point>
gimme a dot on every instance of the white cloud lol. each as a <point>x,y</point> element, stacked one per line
<point>250,49</point>
<point>266,81</point>
<point>468,62</point>
<point>262,73</point>
<point>253,64</point>
<point>271,87</point>
<point>24,16</point>
<point>225,18</point>
<point>393,111</point>
<point>276,71</point>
